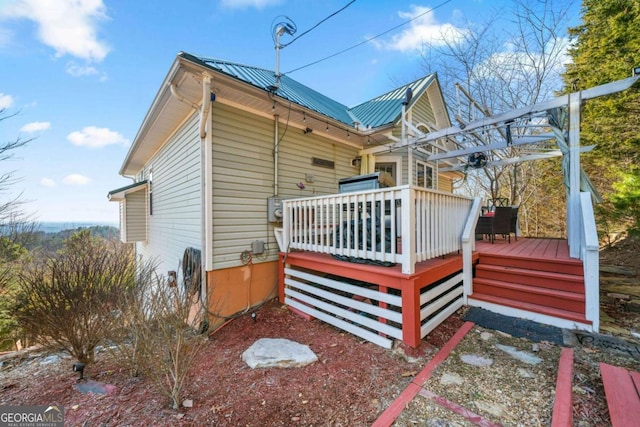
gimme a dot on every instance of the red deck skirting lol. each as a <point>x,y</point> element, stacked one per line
<point>391,413</point>
<point>563,405</point>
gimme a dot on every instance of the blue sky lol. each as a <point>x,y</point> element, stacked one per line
<point>81,74</point>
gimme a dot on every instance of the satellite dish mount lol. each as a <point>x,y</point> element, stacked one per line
<point>282,25</point>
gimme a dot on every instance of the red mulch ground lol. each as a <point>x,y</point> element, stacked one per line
<point>350,385</point>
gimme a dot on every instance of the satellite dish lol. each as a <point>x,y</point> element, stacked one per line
<point>407,96</point>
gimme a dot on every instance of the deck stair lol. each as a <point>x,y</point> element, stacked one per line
<point>542,286</point>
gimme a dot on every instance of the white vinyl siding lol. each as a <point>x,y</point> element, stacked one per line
<point>243,178</point>
<point>176,221</point>
<point>421,111</point>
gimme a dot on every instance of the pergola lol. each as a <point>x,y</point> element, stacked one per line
<point>558,117</point>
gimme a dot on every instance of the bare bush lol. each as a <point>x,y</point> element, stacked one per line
<point>68,300</point>
<point>161,331</point>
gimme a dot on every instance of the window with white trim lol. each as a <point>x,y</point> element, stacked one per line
<point>425,175</point>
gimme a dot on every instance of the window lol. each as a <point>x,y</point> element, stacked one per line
<point>389,168</point>
<point>424,175</point>
<point>150,180</point>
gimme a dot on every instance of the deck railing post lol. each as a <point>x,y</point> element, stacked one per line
<point>286,224</point>
<point>408,215</point>
<point>468,245</point>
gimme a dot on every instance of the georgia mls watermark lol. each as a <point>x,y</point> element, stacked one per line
<point>32,416</point>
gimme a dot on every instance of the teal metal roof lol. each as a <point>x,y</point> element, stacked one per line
<point>379,111</point>
<point>289,88</point>
<point>387,108</point>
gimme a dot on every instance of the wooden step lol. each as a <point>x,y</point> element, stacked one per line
<point>570,301</point>
<point>565,266</point>
<point>543,279</point>
<point>533,308</point>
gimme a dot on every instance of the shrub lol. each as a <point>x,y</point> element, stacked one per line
<point>68,300</point>
<point>161,331</point>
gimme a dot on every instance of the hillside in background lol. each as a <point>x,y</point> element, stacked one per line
<point>50,236</point>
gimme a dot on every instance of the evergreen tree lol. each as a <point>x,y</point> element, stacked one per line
<point>606,48</point>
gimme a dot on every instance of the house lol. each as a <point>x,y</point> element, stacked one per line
<point>268,187</point>
<point>224,145</point>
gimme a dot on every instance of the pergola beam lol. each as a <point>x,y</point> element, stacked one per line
<point>594,92</point>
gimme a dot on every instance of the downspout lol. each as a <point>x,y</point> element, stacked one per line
<point>276,120</point>
<point>179,97</point>
<point>206,118</point>
<point>206,173</point>
<point>405,125</point>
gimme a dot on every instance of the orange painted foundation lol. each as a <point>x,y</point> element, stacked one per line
<point>235,290</point>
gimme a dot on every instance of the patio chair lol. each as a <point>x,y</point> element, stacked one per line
<point>485,227</point>
<point>514,221</point>
<point>502,222</point>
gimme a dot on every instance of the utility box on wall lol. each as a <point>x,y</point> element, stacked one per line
<point>274,209</point>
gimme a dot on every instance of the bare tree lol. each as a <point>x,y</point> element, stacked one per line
<point>513,60</point>
<point>161,330</point>
<point>9,208</point>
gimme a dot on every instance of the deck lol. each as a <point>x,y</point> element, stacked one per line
<point>377,303</point>
<point>530,278</point>
<point>540,248</point>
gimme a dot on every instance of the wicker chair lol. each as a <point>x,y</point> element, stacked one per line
<point>514,221</point>
<point>502,222</point>
<point>485,227</point>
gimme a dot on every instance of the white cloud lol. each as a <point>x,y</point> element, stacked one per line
<point>243,4</point>
<point>68,26</point>
<point>6,101</point>
<point>35,127</point>
<point>94,137</point>
<point>47,182</point>
<point>425,29</point>
<point>76,70</point>
<point>76,179</point>
<point>80,70</point>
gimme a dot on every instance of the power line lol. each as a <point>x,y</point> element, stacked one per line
<point>318,24</point>
<point>369,39</point>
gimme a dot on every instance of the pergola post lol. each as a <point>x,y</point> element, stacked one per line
<point>573,201</point>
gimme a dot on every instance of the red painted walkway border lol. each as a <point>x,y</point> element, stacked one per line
<point>622,390</point>
<point>563,404</point>
<point>391,413</point>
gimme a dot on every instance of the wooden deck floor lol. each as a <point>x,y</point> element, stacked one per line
<point>556,249</point>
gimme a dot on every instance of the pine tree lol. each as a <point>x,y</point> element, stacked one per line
<point>606,48</point>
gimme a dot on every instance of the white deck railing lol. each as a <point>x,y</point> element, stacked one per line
<point>589,254</point>
<point>404,225</point>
